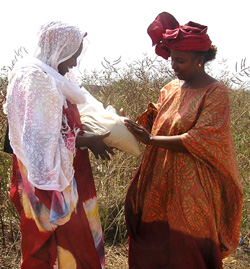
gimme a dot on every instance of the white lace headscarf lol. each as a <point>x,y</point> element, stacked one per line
<point>36,95</point>
<point>57,42</point>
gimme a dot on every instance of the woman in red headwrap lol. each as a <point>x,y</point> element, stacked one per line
<point>183,207</point>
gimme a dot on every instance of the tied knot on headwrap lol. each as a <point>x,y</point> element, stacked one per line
<point>167,34</point>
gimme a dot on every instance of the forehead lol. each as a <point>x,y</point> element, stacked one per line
<point>181,54</point>
<point>75,55</point>
<point>78,51</point>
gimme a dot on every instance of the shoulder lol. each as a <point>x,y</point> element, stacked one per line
<point>34,73</point>
<point>30,77</point>
<point>217,88</point>
<point>172,85</point>
<point>219,85</point>
<point>217,94</point>
<point>28,72</point>
<point>30,83</point>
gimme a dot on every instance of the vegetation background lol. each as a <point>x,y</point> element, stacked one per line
<point>131,87</point>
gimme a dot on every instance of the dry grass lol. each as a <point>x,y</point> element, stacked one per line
<point>117,257</point>
<point>131,88</point>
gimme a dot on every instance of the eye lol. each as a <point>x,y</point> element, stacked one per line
<point>177,61</point>
<point>180,61</point>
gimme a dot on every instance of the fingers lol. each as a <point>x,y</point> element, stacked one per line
<point>130,123</point>
<point>104,153</point>
<point>134,127</point>
<point>122,113</point>
<point>105,156</point>
<point>110,150</point>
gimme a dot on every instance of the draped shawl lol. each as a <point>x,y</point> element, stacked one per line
<point>36,95</point>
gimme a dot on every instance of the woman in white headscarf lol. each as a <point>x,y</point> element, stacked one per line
<point>52,183</point>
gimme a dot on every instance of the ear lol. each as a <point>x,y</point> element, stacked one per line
<point>201,61</point>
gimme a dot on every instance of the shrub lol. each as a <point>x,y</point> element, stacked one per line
<point>132,88</point>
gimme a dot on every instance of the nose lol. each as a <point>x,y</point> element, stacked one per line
<point>173,64</point>
<point>74,63</point>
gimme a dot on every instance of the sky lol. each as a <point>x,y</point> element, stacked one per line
<point>118,28</point>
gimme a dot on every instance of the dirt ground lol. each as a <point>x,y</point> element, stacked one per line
<point>116,258</point>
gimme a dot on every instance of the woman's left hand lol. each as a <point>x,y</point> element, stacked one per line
<point>138,131</point>
<point>99,148</point>
<point>96,144</point>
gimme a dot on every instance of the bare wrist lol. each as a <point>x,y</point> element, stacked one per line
<point>151,140</point>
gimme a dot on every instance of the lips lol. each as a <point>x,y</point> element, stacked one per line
<point>177,74</point>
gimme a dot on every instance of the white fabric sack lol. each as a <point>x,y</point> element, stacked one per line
<point>98,120</point>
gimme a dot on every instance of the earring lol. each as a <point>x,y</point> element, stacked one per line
<point>199,65</point>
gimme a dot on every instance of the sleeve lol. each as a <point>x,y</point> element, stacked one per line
<point>210,142</point>
<point>210,139</point>
<point>146,119</point>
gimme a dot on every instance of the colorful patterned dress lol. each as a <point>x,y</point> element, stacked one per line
<point>183,210</point>
<point>54,234</point>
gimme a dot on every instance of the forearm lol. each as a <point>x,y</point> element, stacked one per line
<point>168,142</point>
<point>82,141</point>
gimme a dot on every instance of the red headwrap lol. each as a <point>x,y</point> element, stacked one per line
<point>167,34</point>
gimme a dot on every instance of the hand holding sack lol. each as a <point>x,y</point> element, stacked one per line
<point>98,120</point>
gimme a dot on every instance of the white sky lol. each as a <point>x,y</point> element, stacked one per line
<point>119,28</point>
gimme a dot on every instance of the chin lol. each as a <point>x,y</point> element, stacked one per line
<point>180,77</point>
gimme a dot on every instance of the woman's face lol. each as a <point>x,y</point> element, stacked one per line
<point>64,67</point>
<point>185,64</point>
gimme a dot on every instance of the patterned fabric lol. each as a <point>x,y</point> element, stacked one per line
<point>195,197</point>
<point>57,232</point>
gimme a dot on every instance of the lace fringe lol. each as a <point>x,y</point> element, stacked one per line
<point>69,140</point>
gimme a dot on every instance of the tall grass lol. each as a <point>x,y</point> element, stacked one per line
<point>9,220</point>
<point>132,88</point>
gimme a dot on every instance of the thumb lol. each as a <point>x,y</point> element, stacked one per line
<point>106,134</point>
<point>122,113</point>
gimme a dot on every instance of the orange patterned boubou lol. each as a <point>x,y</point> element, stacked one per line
<point>184,209</point>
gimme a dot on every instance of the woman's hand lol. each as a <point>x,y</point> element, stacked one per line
<point>138,131</point>
<point>96,144</point>
<point>173,143</point>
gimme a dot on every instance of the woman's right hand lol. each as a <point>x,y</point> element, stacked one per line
<point>138,131</point>
<point>96,144</point>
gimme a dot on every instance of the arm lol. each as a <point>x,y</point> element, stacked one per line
<point>168,142</point>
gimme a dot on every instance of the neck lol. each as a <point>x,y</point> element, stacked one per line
<point>199,81</point>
